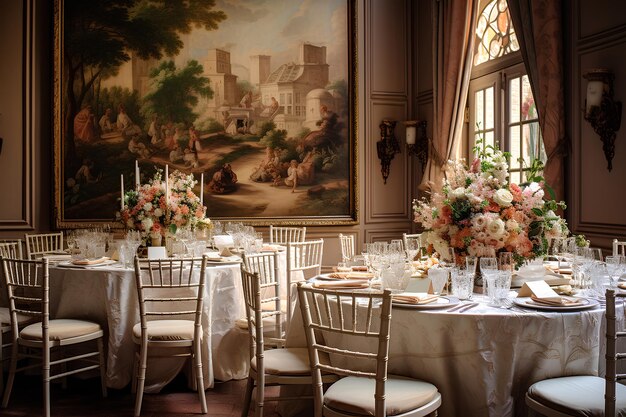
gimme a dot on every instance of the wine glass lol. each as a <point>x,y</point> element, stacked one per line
<point>505,261</point>
<point>412,248</point>
<point>614,268</point>
<point>488,265</point>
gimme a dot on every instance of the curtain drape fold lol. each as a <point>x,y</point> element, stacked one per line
<point>453,50</point>
<point>538,27</point>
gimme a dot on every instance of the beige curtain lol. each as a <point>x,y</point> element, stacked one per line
<point>538,25</point>
<point>453,38</point>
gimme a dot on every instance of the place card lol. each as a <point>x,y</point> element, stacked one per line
<point>538,289</point>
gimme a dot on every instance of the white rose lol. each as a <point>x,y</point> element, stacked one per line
<point>457,193</point>
<point>495,228</point>
<point>158,212</point>
<point>512,224</point>
<point>147,206</point>
<point>147,223</point>
<point>503,197</point>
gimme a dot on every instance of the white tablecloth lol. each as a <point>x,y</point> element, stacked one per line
<point>483,360</point>
<point>108,295</point>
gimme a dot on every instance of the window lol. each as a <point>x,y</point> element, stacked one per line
<point>501,104</point>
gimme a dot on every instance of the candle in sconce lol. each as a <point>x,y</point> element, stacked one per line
<point>202,189</point>
<point>136,174</point>
<point>411,131</point>
<point>122,192</point>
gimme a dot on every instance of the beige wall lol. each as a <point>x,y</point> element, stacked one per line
<point>387,31</point>
<point>596,38</point>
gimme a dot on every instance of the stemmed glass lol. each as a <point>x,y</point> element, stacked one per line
<point>614,267</point>
<point>488,265</point>
<point>412,248</point>
<point>438,278</point>
<point>505,261</point>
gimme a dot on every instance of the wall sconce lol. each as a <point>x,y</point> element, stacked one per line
<point>602,111</point>
<point>387,146</point>
<point>417,143</point>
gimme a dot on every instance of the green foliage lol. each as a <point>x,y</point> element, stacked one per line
<point>274,139</point>
<point>175,92</point>
<point>266,127</point>
<point>461,209</point>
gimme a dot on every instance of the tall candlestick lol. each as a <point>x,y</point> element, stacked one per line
<point>136,174</point>
<point>122,191</point>
<point>202,189</point>
<point>167,186</point>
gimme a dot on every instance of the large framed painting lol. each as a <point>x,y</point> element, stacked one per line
<point>257,98</point>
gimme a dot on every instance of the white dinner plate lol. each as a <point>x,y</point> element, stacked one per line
<point>442,302</point>
<point>527,302</point>
<point>69,264</point>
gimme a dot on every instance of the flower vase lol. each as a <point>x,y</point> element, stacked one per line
<point>156,239</point>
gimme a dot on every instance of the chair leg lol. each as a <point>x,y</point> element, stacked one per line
<point>197,359</point>
<point>1,364</point>
<point>103,371</point>
<point>45,371</point>
<point>12,368</point>
<point>248,398</point>
<point>260,395</point>
<point>141,377</point>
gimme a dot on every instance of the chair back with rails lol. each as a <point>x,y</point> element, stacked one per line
<point>304,260</point>
<point>266,265</point>
<point>619,247</point>
<point>288,366</point>
<point>41,244</point>
<point>28,289</point>
<point>171,293</point>
<point>283,235</point>
<point>586,394</point>
<point>347,247</point>
<point>353,328</point>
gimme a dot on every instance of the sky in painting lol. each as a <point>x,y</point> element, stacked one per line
<point>270,27</point>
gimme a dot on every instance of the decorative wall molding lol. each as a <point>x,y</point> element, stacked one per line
<point>24,179</point>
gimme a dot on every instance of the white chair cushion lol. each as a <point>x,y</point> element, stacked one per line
<point>60,329</point>
<point>577,395</point>
<point>166,330</point>
<point>291,361</point>
<point>355,395</point>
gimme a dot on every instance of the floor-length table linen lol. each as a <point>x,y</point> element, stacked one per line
<point>108,295</point>
<point>483,360</point>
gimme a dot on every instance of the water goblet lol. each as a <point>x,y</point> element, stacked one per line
<point>505,261</point>
<point>613,267</point>
<point>462,283</point>
<point>487,265</point>
<point>412,248</point>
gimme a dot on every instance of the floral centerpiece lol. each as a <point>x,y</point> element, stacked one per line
<point>154,209</point>
<point>478,211</point>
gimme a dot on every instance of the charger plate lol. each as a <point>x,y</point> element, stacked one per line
<point>443,301</point>
<point>527,302</point>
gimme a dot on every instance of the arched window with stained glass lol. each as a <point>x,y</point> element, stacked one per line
<point>501,105</point>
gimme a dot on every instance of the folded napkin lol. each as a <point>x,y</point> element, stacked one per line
<point>622,285</point>
<point>414,298</point>
<point>90,261</point>
<point>351,275</point>
<point>359,268</point>
<point>347,284</point>
<point>272,248</point>
<point>563,270</point>
<point>564,290</point>
<point>557,301</point>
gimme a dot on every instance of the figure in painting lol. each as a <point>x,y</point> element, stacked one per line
<point>264,172</point>
<point>292,176</point>
<point>223,181</point>
<point>135,146</point>
<point>306,169</point>
<point>246,100</point>
<point>194,140</point>
<point>154,131</point>
<point>271,109</point>
<point>106,123</point>
<point>84,125</point>
<point>176,154</point>
<point>84,175</point>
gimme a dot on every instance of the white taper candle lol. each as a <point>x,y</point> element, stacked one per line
<point>167,186</point>
<point>136,174</point>
<point>202,189</point>
<point>122,192</point>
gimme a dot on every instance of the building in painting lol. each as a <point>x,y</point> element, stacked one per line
<point>217,68</point>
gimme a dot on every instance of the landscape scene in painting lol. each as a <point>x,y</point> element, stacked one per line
<point>252,94</point>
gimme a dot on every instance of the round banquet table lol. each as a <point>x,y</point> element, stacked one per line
<point>108,295</point>
<point>483,359</point>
